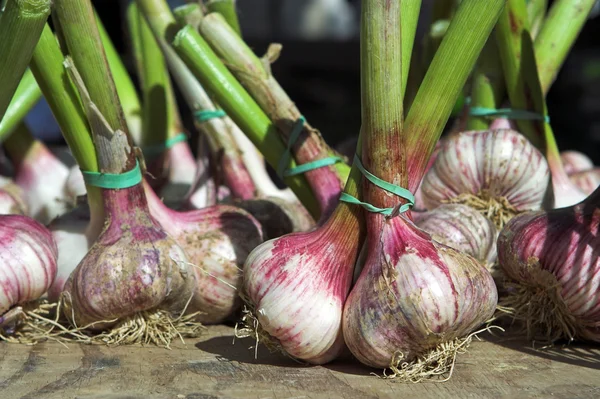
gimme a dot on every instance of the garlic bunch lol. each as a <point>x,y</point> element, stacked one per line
<point>553,261</point>
<point>496,171</point>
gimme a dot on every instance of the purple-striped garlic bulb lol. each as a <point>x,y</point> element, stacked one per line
<point>133,266</point>
<point>586,180</point>
<point>42,177</point>
<point>217,241</point>
<point>462,228</point>
<point>575,161</point>
<point>27,263</point>
<point>296,285</point>
<point>552,259</point>
<point>413,295</point>
<point>498,172</point>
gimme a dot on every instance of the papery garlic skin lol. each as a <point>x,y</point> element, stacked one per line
<point>558,251</point>
<point>587,181</point>
<point>575,161</point>
<point>297,285</point>
<point>27,260</point>
<point>501,162</point>
<point>133,266</point>
<point>413,295</point>
<point>462,228</point>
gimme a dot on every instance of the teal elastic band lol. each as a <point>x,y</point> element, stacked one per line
<point>509,113</point>
<point>208,114</point>
<point>392,188</point>
<point>157,149</point>
<point>306,167</point>
<point>112,180</point>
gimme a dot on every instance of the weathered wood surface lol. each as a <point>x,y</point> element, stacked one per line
<point>211,367</point>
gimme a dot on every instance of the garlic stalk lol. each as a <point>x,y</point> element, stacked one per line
<point>27,264</point>
<point>552,259</point>
<point>497,172</point>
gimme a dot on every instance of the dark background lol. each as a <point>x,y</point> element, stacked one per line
<point>320,71</point>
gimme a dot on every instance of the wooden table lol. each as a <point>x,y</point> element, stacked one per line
<point>213,367</point>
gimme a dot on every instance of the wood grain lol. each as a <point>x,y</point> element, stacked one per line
<point>214,367</point>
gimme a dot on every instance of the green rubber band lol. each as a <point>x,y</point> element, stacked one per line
<point>208,114</point>
<point>306,167</point>
<point>157,149</point>
<point>392,188</point>
<point>508,113</point>
<point>112,180</point>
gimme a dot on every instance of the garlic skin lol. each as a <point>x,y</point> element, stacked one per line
<point>587,181</point>
<point>27,261</point>
<point>501,162</point>
<point>462,228</point>
<point>555,255</point>
<point>575,161</point>
<point>11,200</point>
<point>298,283</point>
<point>412,295</point>
<point>217,241</point>
<point>133,266</point>
<point>42,177</point>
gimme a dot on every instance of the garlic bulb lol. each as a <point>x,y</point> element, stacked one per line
<point>553,261</point>
<point>462,228</point>
<point>499,172</point>
<point>575,161</point>
<point>419,203</point>
<point>133,266</point>
<point>217,241</point>
<point>297,285</point>
<point>27,261</point>
<point>42,177</point>
<point>179,166</point>
<point>412,295</point>
<point>586,180</point>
